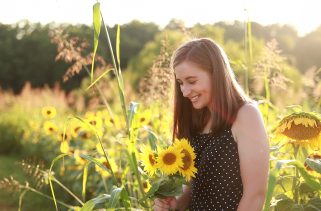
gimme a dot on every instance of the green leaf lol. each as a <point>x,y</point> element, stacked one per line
<point>125,199</point>
<point>50,183</point>
<point>297,207</point>
<point>102,75</point>
<point>271,185</point>
<point>152,137</point>
<point>89,205</point>
<point>171,187</point>
<point>313,205</point>
<point>115,197</point>
<point>84,181</point>
<point>310,180</point>
<point>97,162</point>
<point>97,23</point>
<point>132,111</point>
<point>151,192</point>
<point>314,164</point>
<point>284,203</point>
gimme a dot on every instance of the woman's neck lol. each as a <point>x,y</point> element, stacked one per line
<point>208,127</point>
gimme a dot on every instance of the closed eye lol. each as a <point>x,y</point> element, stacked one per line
<point>192,82</point>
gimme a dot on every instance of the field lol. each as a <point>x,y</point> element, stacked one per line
<point>82,149</point>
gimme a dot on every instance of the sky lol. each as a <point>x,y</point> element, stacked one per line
<point>304,15</point>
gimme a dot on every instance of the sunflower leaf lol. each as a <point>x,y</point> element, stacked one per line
<point>314,164</point>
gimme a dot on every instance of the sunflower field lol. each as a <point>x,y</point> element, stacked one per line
<point>107,145</point>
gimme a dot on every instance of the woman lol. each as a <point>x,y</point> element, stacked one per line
<point>225,128</point>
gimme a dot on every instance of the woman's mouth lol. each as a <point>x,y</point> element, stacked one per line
<point>194,99</point>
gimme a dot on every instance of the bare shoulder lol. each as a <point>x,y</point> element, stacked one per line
<point>248,112</point>
<point>248,122</point>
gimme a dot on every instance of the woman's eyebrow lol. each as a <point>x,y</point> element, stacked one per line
<point>187,78</point>
<point>190,77</point>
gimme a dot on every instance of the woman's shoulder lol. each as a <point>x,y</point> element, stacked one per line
<point>248,110</point>
<point>248,118</point>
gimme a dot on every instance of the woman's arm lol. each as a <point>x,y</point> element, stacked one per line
<point>253,148</point>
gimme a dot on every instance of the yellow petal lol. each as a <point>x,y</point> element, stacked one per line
<point>289,124</point>
<point>64,147</point>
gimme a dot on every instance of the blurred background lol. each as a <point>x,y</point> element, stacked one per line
<point>46,50</point>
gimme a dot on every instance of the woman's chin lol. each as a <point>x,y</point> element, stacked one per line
<point>197,106</point>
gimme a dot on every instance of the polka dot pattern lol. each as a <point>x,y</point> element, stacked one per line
<point>218,184</point>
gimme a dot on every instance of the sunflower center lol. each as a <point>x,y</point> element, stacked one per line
<point>145,185</point>
<point>48,112</point>
<point>142,119</point>
<point>169,158</point>
<point>151,160</point>
<point>187,160</point>
<point>77,129</point>
<point>93,122</point>
<point>64,136</point>
<point>85,135</point>
<point>301,132</point>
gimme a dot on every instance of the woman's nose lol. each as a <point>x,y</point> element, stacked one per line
<point>185,90</point>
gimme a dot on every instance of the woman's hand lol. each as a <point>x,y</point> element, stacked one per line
<point>165,204</point>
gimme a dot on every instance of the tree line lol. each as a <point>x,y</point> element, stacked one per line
<point>27,52</point>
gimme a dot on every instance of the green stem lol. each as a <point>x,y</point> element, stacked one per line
<point>118,76</point>
<point>21,197</point>
<point>296,190</point>
<point>100,142</point>
<point>66,189</point>
<point>295,179</point>
<point>101,94</point>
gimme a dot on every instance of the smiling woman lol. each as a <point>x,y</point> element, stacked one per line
<point>194,84</point>
<point>225,128</point>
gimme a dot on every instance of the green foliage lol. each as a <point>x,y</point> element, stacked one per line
<point>12,127</point>
<point>27,53</point>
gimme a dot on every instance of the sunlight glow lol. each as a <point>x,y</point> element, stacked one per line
<point>303,15</point>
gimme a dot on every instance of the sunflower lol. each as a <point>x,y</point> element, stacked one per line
<point>63,136</point>
<point>188,170</point>
<point>317,157</point>
<point>50,128</point>
<point>146,186</point>
<point>86,133</point>
<point>94,121</point>
<point>170,160</point>
<point>142,118</point>
<point>148,160</point>
<point>75,129</point>
<point>49,112</point>
<point>301,129</point>
<point>79,160</point>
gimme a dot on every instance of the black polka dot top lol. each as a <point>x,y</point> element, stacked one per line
<point>218,184</point>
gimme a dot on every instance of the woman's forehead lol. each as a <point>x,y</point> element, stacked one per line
<point>186,69</point>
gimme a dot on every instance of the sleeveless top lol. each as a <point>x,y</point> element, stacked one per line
<point>218,184</point>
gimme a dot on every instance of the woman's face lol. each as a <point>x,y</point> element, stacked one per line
<point>195,84</point>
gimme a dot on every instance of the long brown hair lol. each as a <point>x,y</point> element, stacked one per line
<point>227,96</point>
